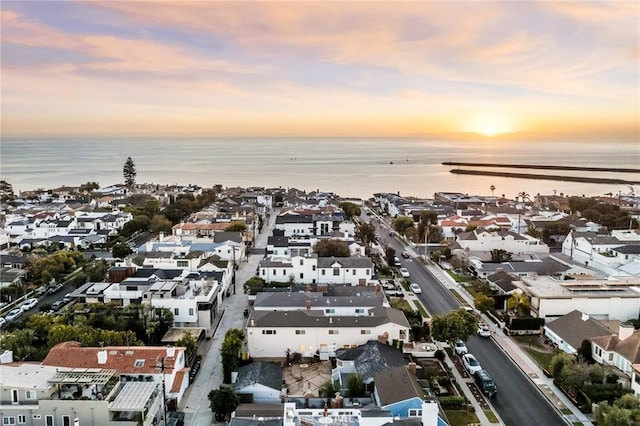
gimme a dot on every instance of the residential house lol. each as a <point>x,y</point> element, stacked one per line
<point>612,299</point>
<point>398,391</point>
<point>569,331</point>
<point>617,253</point>
<point>546,266</point>
<point>367,360</point>
<point>480,243</point>
<point>354,270</point>
<point>162,365</point>
<point>311,332</point>
<point>621,351</point>
<point>261,382</point>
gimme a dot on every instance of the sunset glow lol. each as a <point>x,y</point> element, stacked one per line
<point>319,68</point>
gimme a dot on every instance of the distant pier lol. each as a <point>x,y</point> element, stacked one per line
<point>541,167</point>
<point>548,177</point>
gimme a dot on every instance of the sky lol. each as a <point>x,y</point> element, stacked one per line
<point>331,68</point>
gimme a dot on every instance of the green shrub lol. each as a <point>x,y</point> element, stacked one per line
<point>452,402</point>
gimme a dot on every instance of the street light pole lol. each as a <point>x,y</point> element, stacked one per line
<point>164,402</point>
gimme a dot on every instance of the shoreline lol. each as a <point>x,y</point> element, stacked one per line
<point>543,167</point>
<point>545,177</point>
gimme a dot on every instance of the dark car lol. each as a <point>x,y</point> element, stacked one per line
<point>57,305</point>
<point>54,289</point>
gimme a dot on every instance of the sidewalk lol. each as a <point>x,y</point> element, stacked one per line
<point>544,384</point>
<point>195,403</point>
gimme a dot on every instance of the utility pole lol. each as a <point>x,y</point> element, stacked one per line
<point>164,401</point>
<point>233,277</point>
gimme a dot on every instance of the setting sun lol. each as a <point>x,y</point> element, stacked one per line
<point>489,131</point>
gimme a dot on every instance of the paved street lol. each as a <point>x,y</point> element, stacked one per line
<point>196,402</point>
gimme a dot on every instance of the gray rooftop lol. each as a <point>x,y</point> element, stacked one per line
<point>290,299</point>
<point>573,328</point>
<point>372,357</point>
<point>265,373</point>
<point>397,384</point>
<point>314,318</point>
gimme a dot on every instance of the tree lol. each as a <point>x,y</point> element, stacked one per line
<point>253,285</point>
<point>453,326</point>
<point>120,251</point>
<point>355,387</point>
<point>88,187</point>
<point>428,218</point>
<point>402,223</point>
<point>160,223</point>
<point>351,210</point>
<point>328,390</point>
<point>483,303</point>
<point>223,401</point>
<point>367,233</point>
<point>230,352</point>
<point>500,255</point>
<point>331,248</point>
<point>236,226</point>
<point>151,207</point>
<point>129,173</point>
<point>584,351</point>
<point>390,254</point>
<point>518,303</point>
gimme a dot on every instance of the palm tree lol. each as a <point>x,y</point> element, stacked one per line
<point>518,303</point>
<point>492,188</point>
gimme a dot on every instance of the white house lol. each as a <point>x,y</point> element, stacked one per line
<point>261,380</point>
<point>354,270</point>
<point>271,333</point>
<point>613,299</point>
<point>569,331</point>
<point>482,242</point>
<point>617,254</point>
<point>621,351</point>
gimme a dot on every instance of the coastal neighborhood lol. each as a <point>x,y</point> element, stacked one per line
<point>143,304</point>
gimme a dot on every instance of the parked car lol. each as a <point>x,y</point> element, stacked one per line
<point>58,304</point>
<point>485,383</point>
<point>2,322</point>
<point>54,289</point>
<point>470,363</point>
<point>13,315</point>
<point>484,331</point>
<point>404,272</point>
<point>397,262</point>
<point>28,304</point>
<point>460,348</point>
<point>415,288</point>
<point>406,254</point>
<point>40,291</point>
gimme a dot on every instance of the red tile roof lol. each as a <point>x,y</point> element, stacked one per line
<point>177,381</point>
<point>120,358</point>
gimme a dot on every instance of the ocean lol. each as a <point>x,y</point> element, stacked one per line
<point>354,167</point>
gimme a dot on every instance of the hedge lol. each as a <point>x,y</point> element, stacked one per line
<point>452,402</point>
<point>529,323</point>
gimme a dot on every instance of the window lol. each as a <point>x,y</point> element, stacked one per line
<point>403,334</point>
<point>275,272</point>
<point>360,311</point>
<point>176,311</point>
<point>301,275</point>
<point>30,394</point>
<point>333,331</point>
<point>313,267</point>
<point>301,331</point>
<point>66,421</point>
<point>182,263</point>
<point>190,312</point>
<point>336,271</point>
<point>354,271</point>
<point>367,272</point>
<point>301,262</point>
<point>48,421</point>
<point>610,356</point>
<point>329,311</point>
<point>8,420</point>
<point>139,363</point>
<point>14,396</point>
<point>365,331</point>
<point>264,272</point>
<point>323,272</point>
<point>268,332</point>
<point>22,419</point>
<point>415,412</point>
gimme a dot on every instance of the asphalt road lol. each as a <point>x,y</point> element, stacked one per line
<point>518,401</point>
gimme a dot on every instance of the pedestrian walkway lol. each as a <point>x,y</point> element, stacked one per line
<point>545,384</point>
<point>195,403</point>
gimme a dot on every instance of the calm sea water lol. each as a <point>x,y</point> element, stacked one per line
<point>347,166</point>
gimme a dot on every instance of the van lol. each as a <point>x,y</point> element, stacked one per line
<point>485,383</point>
<point>397,262</point>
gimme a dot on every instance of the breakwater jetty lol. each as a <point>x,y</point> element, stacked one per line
<point>546,177</point>
<point>542,167</point>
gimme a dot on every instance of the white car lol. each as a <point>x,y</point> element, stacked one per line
<point>29,304</point>
<point>2,322</point>
<point>471,363</point>
<point>14,314</point>
<point>404,272</point>
<point>415,288</point>
<point>483,330</point>
<point>460,348</point>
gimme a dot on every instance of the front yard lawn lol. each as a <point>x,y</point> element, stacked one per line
<point>461,417</point>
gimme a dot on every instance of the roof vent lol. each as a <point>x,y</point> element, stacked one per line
<point>102,357</point>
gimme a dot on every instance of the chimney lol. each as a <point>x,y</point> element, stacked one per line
<point>584,317</point>
<point>149,246</point>
<point>102,357</point>
<point>330,320</point>
<point>308,305</point>
<point>412,368</point>
<point>161,236</point>
<point>625,330</point>
<point>383,338</point>
<point>378,290</point>
<point>308,288</point>
<point>253,323</point>
<point>171,351</point>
